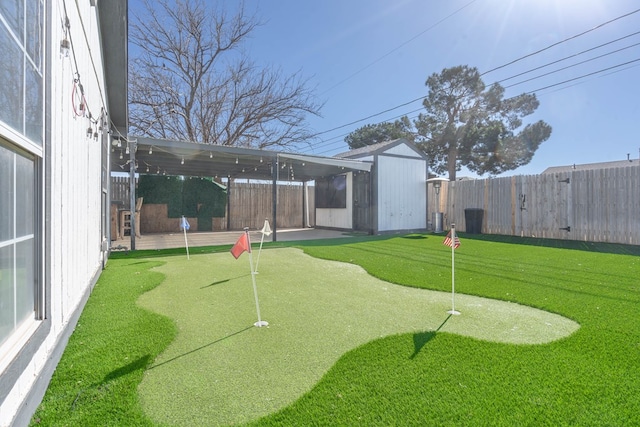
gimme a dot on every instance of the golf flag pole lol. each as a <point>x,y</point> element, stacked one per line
<point>184,224</point>
<point>453,241</point>
<point>244,245</point>
<point>266,231</point>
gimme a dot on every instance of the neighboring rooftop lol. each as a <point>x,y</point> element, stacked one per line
<point>592,166</point>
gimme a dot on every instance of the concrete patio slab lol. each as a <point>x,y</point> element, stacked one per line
<point>201,238</point>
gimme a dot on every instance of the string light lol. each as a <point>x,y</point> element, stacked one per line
<point>211,155</point>
<point>65,47</point>
<point>182,161</point>
<point>150,150</point>
<point>236,160</point>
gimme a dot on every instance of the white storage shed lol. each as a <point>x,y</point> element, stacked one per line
<point>391,198</point>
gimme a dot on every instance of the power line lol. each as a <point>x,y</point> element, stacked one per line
<point>399,46</point>
<point>368,117</point>
<point>560,42</point>
<point>529,92</point>
<point>510,63</point>
<point>569,57</point>
<point>572,65</point>
<point>338,138</point>
<point>585,75</point>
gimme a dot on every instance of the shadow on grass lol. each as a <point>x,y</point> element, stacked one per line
<point>338,241</point>
<point>219,282</point>
<point>153,253</point>
<point>140,363</point>
<point>420,339</point>
<point>415,236</point>
<point>200,348</point>
<point>612,248</point>
<point>609,248</point>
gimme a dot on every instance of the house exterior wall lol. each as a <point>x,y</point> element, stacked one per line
<point>341,218</point>
<point>69,206</point>
<point>402,191</point>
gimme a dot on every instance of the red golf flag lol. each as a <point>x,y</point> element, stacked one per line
<point>241,245</point>
<point>448,242</point>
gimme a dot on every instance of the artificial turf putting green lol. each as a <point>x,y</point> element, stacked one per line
<point>222,369</point>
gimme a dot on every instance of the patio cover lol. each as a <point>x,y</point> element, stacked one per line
<point>171,157</point>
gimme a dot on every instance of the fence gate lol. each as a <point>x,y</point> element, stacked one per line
<point>548,203</point>
<point>564,218</point>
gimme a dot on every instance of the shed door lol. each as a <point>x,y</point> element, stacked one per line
<point>362,201</point>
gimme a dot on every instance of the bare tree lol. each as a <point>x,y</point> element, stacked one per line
<point>190,80</point>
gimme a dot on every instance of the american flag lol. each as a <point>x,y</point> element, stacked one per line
<point>449,242</point>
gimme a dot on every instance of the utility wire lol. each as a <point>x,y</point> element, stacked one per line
<point>560,42</point>
<point>399,46</point>
<point>571,66</point>
<point>510,63</point>
<point>529,92</point>
<point>368,117</point>
<point>569,57</point>
<point>585,75</point>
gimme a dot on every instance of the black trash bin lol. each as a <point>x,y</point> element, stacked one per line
<point>473,219</point>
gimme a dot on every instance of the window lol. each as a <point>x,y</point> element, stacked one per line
<point>21,133</point>
<point>21,73</point>
<point>17,249</point>
<point>331,192</point>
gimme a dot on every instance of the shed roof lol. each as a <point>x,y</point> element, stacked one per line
<point>379,148</point>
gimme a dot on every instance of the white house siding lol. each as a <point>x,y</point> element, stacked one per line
<point>72,255</point>
<point>401,183</point>
<point>341,218</point>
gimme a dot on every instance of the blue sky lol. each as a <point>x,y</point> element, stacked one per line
<point>368,56</point>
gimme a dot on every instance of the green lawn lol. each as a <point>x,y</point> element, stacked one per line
<point>411,378</point>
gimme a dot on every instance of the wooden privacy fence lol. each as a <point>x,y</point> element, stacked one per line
<point>250,204</point>
<point>120,191</point>
<point>601,205</point>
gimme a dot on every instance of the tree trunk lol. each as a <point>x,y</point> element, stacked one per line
<point>451,162</point>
